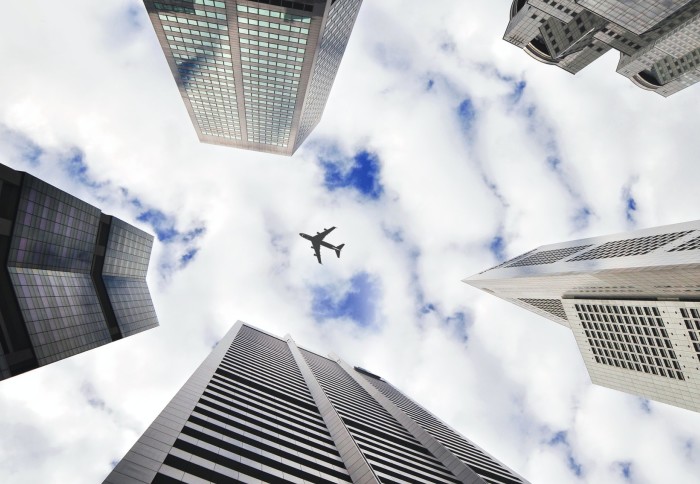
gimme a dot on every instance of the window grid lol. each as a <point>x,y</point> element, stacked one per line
<point>212,95</point>
<point>693,244</point>
<point>547,256</point>
<point>552,306</point>
<point>332,44</point>
<point>53,230</point>
<point>630,337</point>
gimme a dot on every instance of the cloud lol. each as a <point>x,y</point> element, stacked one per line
<point>69,169</point>
<point>355,302</point>
<point>560,440</point>
<point>442,151</point>
<point>630,204</point>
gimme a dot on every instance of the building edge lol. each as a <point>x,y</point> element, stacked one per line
<point>139,465</point>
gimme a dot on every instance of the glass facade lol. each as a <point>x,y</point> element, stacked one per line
<point>271,76</point>
<point>628,299</point>
<point>334,40</point>
<point>261,409</point>
<point>53,230</point>
<point>124,275</point>
<point>657,40</point>
<point>49,263</point>
<point>254,74</point>
<point>61,312</point>
<point>203,64</point>
<point>51,251</point>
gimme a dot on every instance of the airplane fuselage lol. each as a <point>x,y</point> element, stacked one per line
<point>320,242</point>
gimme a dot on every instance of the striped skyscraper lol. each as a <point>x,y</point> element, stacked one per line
<point>262,409</point>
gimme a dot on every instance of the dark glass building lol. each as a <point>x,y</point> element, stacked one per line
<point>254,74</point>
<point>260,409</point>
<point>71,277</point>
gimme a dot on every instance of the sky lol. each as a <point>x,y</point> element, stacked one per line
<point>442,151</point>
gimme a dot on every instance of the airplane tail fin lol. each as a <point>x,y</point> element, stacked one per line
<point>337,250</point>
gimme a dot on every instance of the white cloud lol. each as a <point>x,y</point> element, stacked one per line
<point>93,78</point>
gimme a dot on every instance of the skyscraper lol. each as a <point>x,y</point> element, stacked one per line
<point>632,301</point>
<point>254,74</point>
<point>657,39</point>
<point>262,409</point>
<point>71,277</point>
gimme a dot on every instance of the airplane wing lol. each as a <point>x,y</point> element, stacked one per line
<point>325,232</point>
<point>317,250</point>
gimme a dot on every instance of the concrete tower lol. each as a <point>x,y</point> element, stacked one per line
<point>262,409</point>
<point>632,301</point>
<point>658,40</point>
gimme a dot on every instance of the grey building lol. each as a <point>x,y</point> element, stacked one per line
<point>254,74</point>
<point>71,277</point>
<point>658,40</point>
<point>262,409</point>
<point>632,301</point>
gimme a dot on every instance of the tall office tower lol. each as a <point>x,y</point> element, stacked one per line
<point>658,40</point>
<point>262,409</point>
<point>632,301</point>
<point>71,277</point>
<point>254,74</point>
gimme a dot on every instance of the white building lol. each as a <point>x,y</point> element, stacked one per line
<point>632,301</point>
<point>658,40</point>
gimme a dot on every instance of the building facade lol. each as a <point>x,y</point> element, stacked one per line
<point>632,301</point>
<point>254,74</point>
<point>71,277</point>
<point>658,40</point>
<point>262,409</point>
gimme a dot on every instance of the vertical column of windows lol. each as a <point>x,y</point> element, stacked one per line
<point>124,275</point>
<point>198,39</point>
<point>335,36</point>
<point>272,55</point>
<point>691,318</point>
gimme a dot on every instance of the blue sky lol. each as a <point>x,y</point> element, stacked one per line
<point>443,150</point>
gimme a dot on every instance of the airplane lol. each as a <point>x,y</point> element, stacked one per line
<point>317,242</point>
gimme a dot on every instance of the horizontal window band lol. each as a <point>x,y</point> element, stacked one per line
<point>270,438</point>
<point>248,470</point>
<point>204,437</point>
<point>321,444</point>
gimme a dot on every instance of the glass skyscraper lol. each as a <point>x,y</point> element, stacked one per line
<point>254,74</point>
<point>71,277</point>
<point>658,40</point>
<point>261,409</point>
<point>632,301</point>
